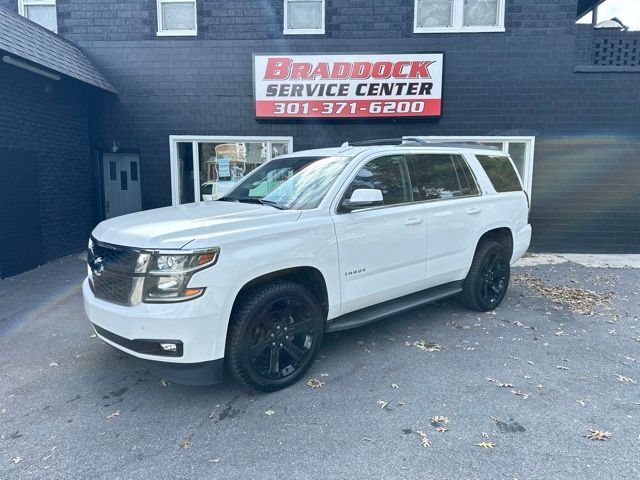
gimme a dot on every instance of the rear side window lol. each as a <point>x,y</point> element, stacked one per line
<point>501,173</point>
<point>442,176</point>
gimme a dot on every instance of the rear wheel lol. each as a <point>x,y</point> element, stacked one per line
<point>488,278</point>
<point>274,335</point>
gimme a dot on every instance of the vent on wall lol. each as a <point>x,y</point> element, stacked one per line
<point>619,52</point>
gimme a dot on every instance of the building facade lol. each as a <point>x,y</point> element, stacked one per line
<point>562,98</point>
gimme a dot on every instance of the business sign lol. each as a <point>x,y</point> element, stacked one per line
<point>348,86</point>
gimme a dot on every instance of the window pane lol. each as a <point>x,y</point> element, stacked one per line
<point>44,15</point>
<point>112,171</point>
<point>500,172</point>
<point>481,12</point>
<point>434,13</point>
<point>436,176</point>
<point>178,16</point>
<point>304,15</point>
<point>468,185</point>
<point>278,149</point>
<point>518,151</point>
<point>222,165</point>
<point>134,171</point>
<point>123,179</point>
<point>387,174</point>
<point>185,173</point>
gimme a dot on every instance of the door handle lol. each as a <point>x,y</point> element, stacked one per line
<point>473,211</point>
<point>413,221</point>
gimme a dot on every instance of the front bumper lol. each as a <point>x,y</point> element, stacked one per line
<point>195,327</point>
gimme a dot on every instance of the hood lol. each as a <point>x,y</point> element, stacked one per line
<point>175,227</point>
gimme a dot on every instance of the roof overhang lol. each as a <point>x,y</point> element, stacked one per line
<point>585,6</point>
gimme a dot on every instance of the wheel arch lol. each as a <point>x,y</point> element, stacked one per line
<point>502,235</point>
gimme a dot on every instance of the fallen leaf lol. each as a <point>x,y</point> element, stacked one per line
<point>269,412</point>
<point>93,335</point>
<point>164,383</point>
<point>562,367</point>
<point>324,374</point>
<point>485,434</point>
<point>624,379</point>
<point>186,443</point>
<point>113,415</point>
<point>439,419</point>
<point>427,346</point>
<point>581,402</point>
<point>16,460</point>
<point>368,439</point>
<point>382,404</point>
<point>215,460</point>
<point>441,429</point>
<point>54,364</point>
<point>315,383</point>
<point>597,434</point>
<point>395,386</point>
<point>486,444</point>
<point>424,442</point>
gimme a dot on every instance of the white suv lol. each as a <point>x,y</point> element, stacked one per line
<point>311,242</point>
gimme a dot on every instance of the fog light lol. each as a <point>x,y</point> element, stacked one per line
<point>169,347</point>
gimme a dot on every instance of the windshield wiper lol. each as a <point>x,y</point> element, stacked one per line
<point>272,204</point>
<point>260,201</point>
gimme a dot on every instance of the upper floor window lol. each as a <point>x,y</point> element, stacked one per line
<point>42,12</point>
<point>303,17</point>
<point>444,16</point>
<point>177,17</point>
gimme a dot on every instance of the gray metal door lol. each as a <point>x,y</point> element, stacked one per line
<point>121,173</point>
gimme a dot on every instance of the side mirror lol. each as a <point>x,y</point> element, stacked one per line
<point>362,198</point>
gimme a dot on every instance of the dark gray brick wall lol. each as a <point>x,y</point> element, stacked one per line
<point>520,82</point>
<point>50,119</point>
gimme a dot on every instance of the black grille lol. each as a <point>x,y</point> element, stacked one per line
<point>112,287</point>
<point>112,259</point>
<point>112,272</point>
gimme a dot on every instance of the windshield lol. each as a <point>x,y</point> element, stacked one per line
<point>297,183</point>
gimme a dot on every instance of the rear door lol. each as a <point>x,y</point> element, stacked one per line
<point>455,217</point>
<point>382,250</point>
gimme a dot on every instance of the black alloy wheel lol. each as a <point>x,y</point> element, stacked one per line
<point>275,333</point>
<point>488,278</point>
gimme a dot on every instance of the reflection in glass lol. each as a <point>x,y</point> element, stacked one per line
<point>185,173</point>
<point>518,152</point>
<point>434,13</point>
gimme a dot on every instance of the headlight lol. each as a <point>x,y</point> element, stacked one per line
<point>169,275</point>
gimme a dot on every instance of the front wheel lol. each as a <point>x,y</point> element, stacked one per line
<point>488,278</point>
<point>274,335</point>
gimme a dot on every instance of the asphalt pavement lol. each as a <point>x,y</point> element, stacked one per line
<point>518,390</point>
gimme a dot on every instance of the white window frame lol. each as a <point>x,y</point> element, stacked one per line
<point>29,3</point>
<point>195,140</point>
<point>302,31</point>
<point>458,21</point>
<point>176,33</point>
<point>530,142</point>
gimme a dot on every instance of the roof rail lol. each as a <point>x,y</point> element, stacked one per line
<point>421,142</point>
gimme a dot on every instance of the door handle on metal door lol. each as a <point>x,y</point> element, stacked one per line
<point>473,211</point>
<point>413,221</point>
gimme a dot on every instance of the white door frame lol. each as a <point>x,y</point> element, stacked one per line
<point>529,151</point>
<point>194,140</point>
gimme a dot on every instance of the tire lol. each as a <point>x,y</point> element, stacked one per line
<point>488,278</point>
<point>276,330</point>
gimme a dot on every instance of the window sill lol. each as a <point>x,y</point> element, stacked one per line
<point>606,69</point>
<point>177,33</point>
<point>460,30</point>
<point>303,32</point>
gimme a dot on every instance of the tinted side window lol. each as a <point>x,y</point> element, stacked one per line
<point>436,176</point>
<point>501,173</point>
<point>468,185</point>
<point>388,174</point>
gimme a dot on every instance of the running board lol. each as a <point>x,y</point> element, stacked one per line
<point>392,307</point>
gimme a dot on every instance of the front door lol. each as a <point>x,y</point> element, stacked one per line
<point>382,250</point>
<point>121,174</point>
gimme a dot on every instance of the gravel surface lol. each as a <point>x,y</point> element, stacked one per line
<point>529,380</point>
